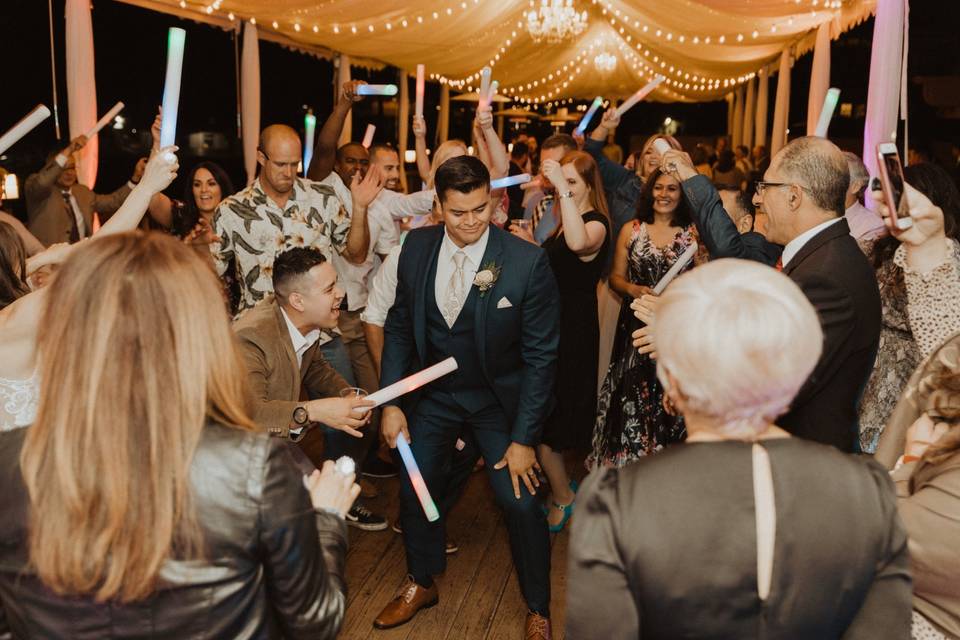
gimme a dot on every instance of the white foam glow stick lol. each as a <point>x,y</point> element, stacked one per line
<point>416,479</point>
<point>510,181</point>
<point>368,136</point>
<point>681,262</point>
<point>585,122</point>
<point>639,95</point>
<point>25,126</point>
<point>105,120</point>
<point>412,383</point>
<point>309,130</point>
<point>421,87</point>
<point>377,90</point>
<point>171,88</point>
<point>826,113</point>
<point>484,85</point>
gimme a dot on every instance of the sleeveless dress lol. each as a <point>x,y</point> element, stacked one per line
<point>569,425</point>
<point>18,402</point>
<point>631,421</point>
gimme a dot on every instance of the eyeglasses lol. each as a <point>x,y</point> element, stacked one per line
<point>762,186</point>
<point>280,165</point>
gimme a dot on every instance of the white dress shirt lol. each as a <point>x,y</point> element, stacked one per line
<point>383,290</point>
<point>446,265</point>
<point>300,342</point>
<point>793,247</point>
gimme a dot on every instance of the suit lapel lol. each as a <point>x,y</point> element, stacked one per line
<point>835,230</point>
<point>283,335</point>
<point>492,254</point>
<point>420,303</point>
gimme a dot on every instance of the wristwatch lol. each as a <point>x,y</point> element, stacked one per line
<point>568,194</point>
<point>300,416</point>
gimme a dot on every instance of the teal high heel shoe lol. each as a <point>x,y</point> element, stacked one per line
<point>567,510</point>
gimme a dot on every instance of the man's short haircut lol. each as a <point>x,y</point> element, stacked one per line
<point>464,174</point>
<point>820,167</point>
<point>858,172</point>
<point>343,149</point>
<point>564,140</point>
<point>743,200</point>
<point>520,151</point>
<point>290,266</point>
<point>382,147</point>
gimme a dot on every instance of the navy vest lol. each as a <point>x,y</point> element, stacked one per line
<point>467,384</point>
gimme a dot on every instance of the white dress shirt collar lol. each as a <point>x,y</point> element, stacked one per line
<point>300,342</point>
<point>793,247</point>
<point>474,251</point>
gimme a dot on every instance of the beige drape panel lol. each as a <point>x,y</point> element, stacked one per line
<point>738,98</point>
<point>403,125</point>
<point>731,99</point>
<point>819,77</point>
<point>250,99</point>
<point>781,108</point>
<point>343,75</point>
<point>81,85</point>
<point>444,125</point>
<point>760,130</point>
<point>749,110</point>
<point>884,91</point>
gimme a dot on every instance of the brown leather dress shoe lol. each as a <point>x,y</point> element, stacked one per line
<point>538,627</point>
<point>410,599</point>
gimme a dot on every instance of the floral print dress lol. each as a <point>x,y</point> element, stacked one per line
<point>631,421</point>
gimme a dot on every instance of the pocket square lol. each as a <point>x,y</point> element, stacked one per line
<point>504,303</point>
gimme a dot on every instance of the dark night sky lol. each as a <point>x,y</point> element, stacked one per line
<point>130,58</point>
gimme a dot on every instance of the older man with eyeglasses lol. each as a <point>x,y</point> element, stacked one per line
<point>803,194</point>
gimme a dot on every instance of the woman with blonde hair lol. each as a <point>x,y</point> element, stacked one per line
<point>743,531</point>
<point>142,485</point>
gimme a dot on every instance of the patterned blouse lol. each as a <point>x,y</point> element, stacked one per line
<point>933,298</point>
<point>254,230</point>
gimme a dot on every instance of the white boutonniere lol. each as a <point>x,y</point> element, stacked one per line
<point>486,277</point>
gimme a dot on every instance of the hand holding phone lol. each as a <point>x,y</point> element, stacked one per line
<point>892,186</point>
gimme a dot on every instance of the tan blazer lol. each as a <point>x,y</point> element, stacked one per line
<point>275,377</point>
<point>49,218</point>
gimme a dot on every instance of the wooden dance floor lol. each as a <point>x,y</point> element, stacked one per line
<point>479,594</point>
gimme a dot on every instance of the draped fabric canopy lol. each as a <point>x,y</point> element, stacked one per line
<point>705,48</point>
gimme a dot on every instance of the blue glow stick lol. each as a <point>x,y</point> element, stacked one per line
<point>171,87</point>
<point>419,486</point>
<point>510,181</point>
<point>377,90</point>
<point>582,127</point>
<point>309,130</point>
<point>826,113</point>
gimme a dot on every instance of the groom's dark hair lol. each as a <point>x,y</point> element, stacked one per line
<point>464,174</point>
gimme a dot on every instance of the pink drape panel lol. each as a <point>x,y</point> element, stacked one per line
<point>883,93</point>
<point>343,75</point>
<point>404,124</point>
<point>781,108</point>
<point>81,85</point>
<point>444,126</point>
<point>760,117</point>
<point>749,111</point>
<point>738,117</point>
<point>250,99</point>
<point>819,77</point>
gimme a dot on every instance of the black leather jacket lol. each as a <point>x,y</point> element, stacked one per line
<point>272,568</point>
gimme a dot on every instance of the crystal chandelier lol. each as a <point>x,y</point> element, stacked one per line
<point>556,21</point>
<point>605,62</point>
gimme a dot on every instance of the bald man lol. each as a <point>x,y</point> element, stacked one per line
<point>279,211</point>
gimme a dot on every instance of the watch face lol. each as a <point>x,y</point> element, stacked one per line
<point>300,415</point>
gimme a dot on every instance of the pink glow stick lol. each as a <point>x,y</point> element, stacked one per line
<point>639,95</point>
<point>421,86</point>
<point>105,120</point>
<point>368,136</point>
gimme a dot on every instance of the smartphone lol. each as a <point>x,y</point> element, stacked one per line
<point>892,184</point>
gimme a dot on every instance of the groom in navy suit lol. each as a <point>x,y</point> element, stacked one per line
<point>472,291</point>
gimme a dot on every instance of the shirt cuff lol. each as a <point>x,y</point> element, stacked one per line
<point>61,160</point>
<point>131,184</point>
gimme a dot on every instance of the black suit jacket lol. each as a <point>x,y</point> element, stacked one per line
<point>840,283</point>
<point>517,339</point>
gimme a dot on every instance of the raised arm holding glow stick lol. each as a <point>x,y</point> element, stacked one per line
<point>309,131</point>
<point>171,88</point>
<point>377,90</point>
<point>585,122</point>
<point>677,267</point>
<point>484,86</point>
<point>105,120</point>
<point>639,95</point>
<point>25,126</point>
<point>368,136</point>
<point>510,181</point>
<point>421,88</point>
<point>826,113</point>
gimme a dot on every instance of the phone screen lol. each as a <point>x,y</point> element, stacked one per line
<point>894,173</point>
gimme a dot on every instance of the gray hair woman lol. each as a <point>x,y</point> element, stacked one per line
<point>742,531</point>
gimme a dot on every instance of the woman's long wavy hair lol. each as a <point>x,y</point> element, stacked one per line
<point>682,215</point>
<point>13,266</point>
<point>589,172</point>
<point>136,356</point>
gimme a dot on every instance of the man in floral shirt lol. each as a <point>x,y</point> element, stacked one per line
<point>279,211</point>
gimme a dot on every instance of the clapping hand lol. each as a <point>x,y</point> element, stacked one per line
<point>202,234</point>
<point>365,190</point>
<point>330,490</point>
<point>521,461</point>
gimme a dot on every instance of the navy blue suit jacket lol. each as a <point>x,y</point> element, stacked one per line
<point>517,343</point>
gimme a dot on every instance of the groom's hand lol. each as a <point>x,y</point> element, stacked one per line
<point>522,462</point>
<point>392,424</point>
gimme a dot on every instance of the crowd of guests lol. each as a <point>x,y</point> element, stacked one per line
<point>772,441</point>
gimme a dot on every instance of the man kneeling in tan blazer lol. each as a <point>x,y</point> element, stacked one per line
<point>292,384</point>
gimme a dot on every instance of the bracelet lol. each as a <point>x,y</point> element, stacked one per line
<point>568,194</point>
